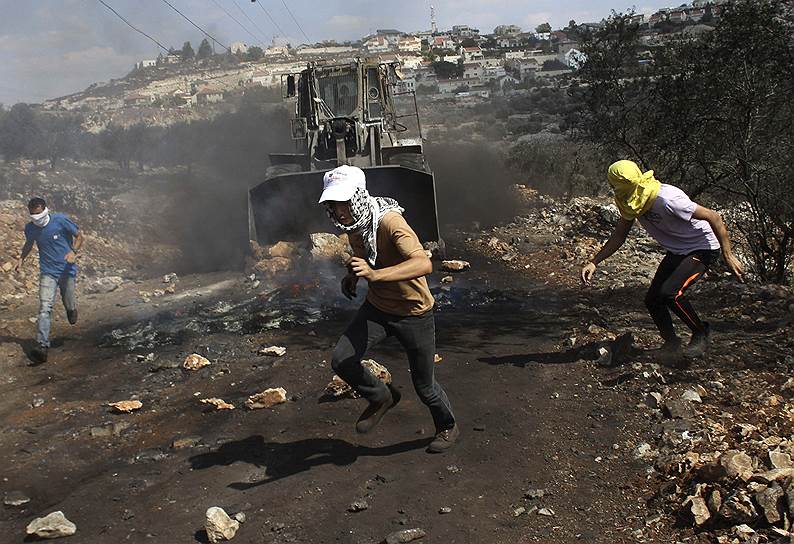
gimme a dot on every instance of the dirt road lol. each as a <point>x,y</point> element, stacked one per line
<point>531,420</point>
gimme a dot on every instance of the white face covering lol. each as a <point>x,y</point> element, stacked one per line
<point>41,219</point>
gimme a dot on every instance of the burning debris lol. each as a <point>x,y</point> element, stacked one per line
<point>266,399</point>
<point>194,361</point>
<point>126,406</point>
<point>219,404</point>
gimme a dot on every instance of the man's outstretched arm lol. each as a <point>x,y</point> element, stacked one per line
<point>616,240</point>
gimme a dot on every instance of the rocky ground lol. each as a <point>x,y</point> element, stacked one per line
<point>570,433</point>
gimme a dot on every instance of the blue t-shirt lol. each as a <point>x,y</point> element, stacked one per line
<point>54,241</point>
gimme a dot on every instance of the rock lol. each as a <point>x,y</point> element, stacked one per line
<point>126,406</point>
<point>715,501</point>
<point>219,404</point>
<point>534,494</point>
<point>604,357</point>
<point>7,267</point>
<point>455,265</point>
<point>770,501</point>
<point>185,442</point>
<point>15,498</point>
<point>738,508</point>
<point>519,511</point>
<point>273,266</point>
<point>699,510</point>
<point>653,400</point>
<point>645,451</point>
<point>194,361</point>
<point>437,358</point>
<point>338,388</point>
<point>257,252</point>
<point>736,464</point>
<point>273,351</point>
<point>678,409</point>
<point>286,250</point>
<point>54,525</point>
<point>788,388</point>
<point>104,285</point>
<point>690,395</point>
<point>406,535</point>
<point>445,510</point>
<point>220,527</point>
<point>358,505</point>
<point>170,278</point>
<point>779,459</point>
<point>447,279</point>
<point>743,531</point>
<point>266,399</point>
<point>330,246</point>
<point>546,512</point>
<point>774,475</point>
<point>239,517</point>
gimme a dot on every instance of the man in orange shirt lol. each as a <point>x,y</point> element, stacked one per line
<point>390,257</point>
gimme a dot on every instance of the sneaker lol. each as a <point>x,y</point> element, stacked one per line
<point>671,351</point>
<point>370,418</point>
<point>444,440</point>
<point>39,354</point>
<point>699,344</point>
<point>71,315</point>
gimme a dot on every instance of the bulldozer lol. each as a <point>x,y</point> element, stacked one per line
<point>345,114</point>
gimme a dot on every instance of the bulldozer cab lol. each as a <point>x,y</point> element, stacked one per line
<point>345,114</point>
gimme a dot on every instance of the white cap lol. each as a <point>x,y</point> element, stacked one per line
<point>340,183</point>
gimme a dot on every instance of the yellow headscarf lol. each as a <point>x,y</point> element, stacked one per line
<point>635,192</point>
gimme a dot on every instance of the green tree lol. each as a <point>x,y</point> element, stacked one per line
<point>204,50</point>
<point>543,28</point>
<point>254,53</point>
<point>446,70</point>
<point>59,137</point>
<point>19,132</point>
<point>705,118</point>
<point>187,52</point>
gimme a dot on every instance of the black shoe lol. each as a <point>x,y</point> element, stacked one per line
<point>444,440</point>
<point>375,411</point>
<point>71,315</point>
<point>39,354</point>
<point>671,352</point>
<point>699,344</point>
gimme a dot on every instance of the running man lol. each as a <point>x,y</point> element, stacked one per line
<point>389,256</point>
<point>691,234</point>
<point>58,239</point>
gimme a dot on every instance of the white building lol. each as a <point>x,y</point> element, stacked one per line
<point>238,48</point>
<point>410,44</point>
<point>377,44</point>
<point>147,63</point>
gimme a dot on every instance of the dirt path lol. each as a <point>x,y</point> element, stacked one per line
<point>294,470</point>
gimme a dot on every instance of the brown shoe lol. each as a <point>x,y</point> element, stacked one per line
<point>444,440</point>
<point>375,411</point>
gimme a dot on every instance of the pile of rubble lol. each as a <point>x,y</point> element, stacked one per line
<point>287,257</point>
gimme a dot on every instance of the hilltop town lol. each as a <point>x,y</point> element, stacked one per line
<point>462,62</point>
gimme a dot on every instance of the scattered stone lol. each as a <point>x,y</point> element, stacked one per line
<point>219,404</point>
<point>788,387</point>
<point>546,512</point>
<point>170,278</point>
<point>715,501</point>
<point>267,398</point>
<point>534,494</point>
<point>54,525</point>
<point>770,501</point>
<point>126,406</point>
<point>519,511</point>
<point>406,535</point>
<point>437,358</point>
<point>445,510</point>
<point>185,442</point>
<point>273,267</point>
<point>736,464</point>
<point>220,527</point>
<point>455,265</point>
<point>194,361</point>
<point>447,279</point>
<point>691,395</point>
<point>653,400</point>
<point>644,451</point>
<point>15,498</point>
<point>358,505</point>
<point>273,351</point>
<point>338,388</point>
<point>678,409</point>
<point>779,459</point>
<point>239,517</point>
<point>774,475</point>
<point>699,509</point>
<point>104,285</point>
<point>286,250</point>
<point>738,508</point>
<point>37,402</point>
<point>330,246</point>
<point>604,357</point>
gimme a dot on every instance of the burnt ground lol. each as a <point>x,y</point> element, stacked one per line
<point>532,415</point>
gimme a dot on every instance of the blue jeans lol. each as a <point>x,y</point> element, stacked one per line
<point>47,289</point>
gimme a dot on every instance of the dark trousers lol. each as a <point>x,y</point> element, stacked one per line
<point>676,273</point>
<point>417,334</point>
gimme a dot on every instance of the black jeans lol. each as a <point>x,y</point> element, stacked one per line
<point>676,273</point>
<point>417,334</point>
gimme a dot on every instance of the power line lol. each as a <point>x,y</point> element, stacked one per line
<point>236,21</point>
<point>169,4</point>
<point>296,21</point>
<point>129,24</point>
<point>256,26</point>
<point>272,20</point>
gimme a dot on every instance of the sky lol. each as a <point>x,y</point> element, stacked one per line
<point>50,48</point>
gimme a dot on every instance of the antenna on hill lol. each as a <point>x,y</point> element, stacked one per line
<point>433,25</point>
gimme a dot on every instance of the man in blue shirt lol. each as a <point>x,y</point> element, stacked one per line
<point>58,239</point>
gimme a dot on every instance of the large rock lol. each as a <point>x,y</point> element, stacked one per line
<point>54,525</point>
<point>267,398</point>
<point>699,509</point>
<point>455,265</point>
<point>770,501</point>
<point>273,266</point>
<point>126,406</point>
<point>220,527</point>
<point>194,361</point>
<point>330,247</point>
<point>107,284</point>
<point>774,475</point>
<point>779,459</point>
<point>286,250</point>
<point>404,536</point>
<point>736,464</point>
<point>738,508</point>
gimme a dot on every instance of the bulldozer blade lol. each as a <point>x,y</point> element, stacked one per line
<point>285,206</point>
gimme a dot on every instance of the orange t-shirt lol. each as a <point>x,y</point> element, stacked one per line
<point>397,242</point>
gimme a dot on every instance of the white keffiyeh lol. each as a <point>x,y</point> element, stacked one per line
<point>367,212</point>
